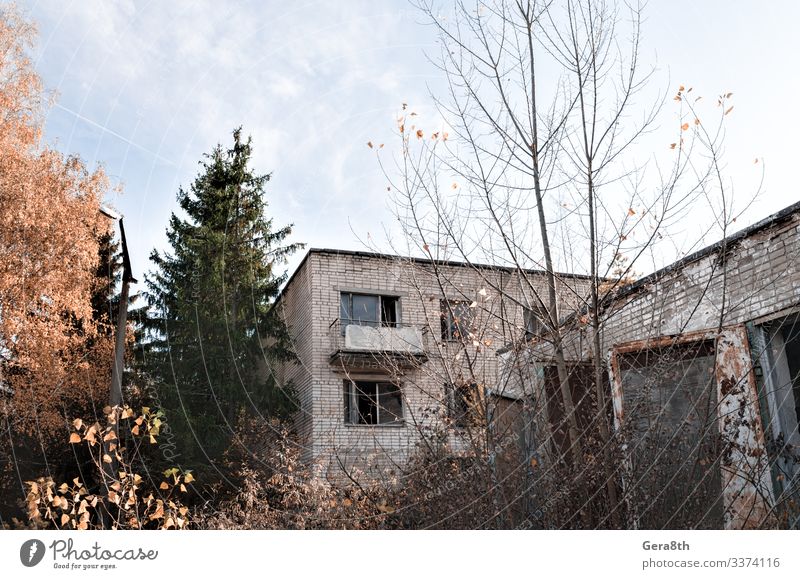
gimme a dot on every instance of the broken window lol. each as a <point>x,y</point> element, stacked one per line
<point>534,322</point>
<point>372,403</point>
<point>670,410</point>
<point>368,310</point>
<point>465,406</point>
<point>457,319</point>
<point>777,346</point>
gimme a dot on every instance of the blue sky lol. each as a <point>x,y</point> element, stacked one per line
<point>145,88</point>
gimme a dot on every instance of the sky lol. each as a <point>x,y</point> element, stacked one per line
<point>145,88</point>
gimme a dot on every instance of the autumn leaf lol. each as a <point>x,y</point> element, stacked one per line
<point>672,145</point>
<point>631,212</point>
<point>681,88</point>
<point>64,519</point>
<point>696,121</point>
<point>419,133</point>
<point>107,459</point>
<point>164,486</point>
<point>74,438</point>
<point>77,423</point>
<point>685,126</point>
<point>729,110</point>
<point>369,144</point>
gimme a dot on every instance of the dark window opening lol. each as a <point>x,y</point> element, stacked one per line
<point>372,403</point>
<point>457,319</point>
<point>533,320</point>
<point>465,406</point>
<point>369,310</point>
<point>791,344</point>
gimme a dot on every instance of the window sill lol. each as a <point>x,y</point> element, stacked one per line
<point>393,426</point>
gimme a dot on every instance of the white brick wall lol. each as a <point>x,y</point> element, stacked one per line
<point>310,303</point>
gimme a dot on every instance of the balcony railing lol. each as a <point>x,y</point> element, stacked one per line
<point>359,344</point>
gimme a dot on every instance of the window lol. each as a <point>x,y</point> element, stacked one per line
<point>533,320</point>
<point>457,319</point>
<point>372,403</point>
<point>464,404</point>
<point>369,310</point>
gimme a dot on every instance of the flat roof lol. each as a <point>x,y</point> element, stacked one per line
<point>417,260</point>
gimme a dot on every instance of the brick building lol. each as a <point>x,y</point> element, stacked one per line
<point>392,347</point>
<point>703,361</point>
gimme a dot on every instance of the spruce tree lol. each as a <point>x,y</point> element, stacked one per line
<point>212,336</point>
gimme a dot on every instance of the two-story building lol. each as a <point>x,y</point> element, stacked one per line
<point>395,349</point>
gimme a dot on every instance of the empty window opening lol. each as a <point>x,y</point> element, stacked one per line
<point>534,322</point>
<point>457,319</point>
<point>369,310</point>
<point>372,403</point>
<point>465,404</point>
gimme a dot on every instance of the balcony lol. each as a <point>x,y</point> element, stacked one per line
<point>384,347</point>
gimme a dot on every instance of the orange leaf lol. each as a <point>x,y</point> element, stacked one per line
<point>64,519</point>
<point>74,438</point>
<point>684,126</point>
<point>631,212</point>
<point>419,133</point>
<point>729,110</point>
<point>672,145</point>
<point>369,144</point>
<point>163,486</point>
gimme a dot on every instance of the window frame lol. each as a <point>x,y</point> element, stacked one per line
<point>351,390</point>
<point>533,321</point>
<point>381,309</point>
<point>470,416</point>
<point>447,308</point>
